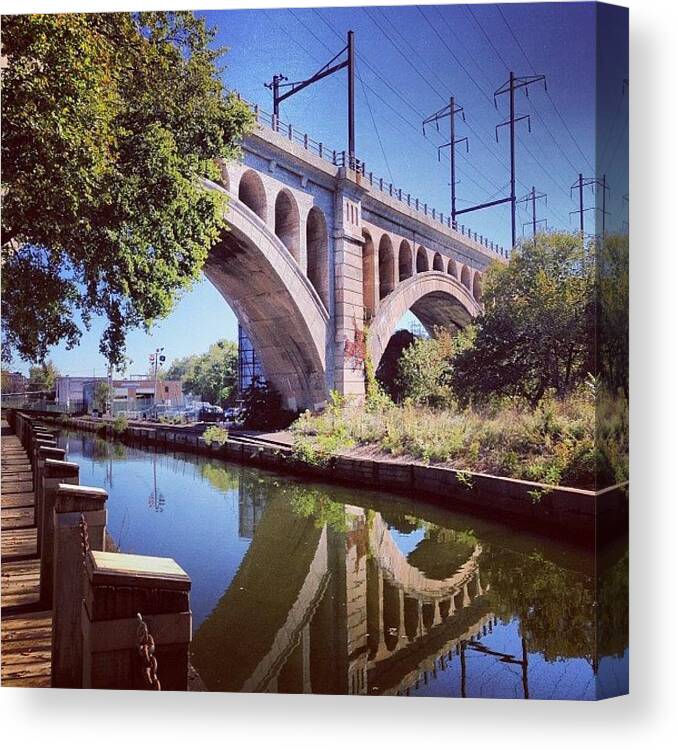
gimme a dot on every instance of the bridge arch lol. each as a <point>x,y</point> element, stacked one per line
<point>438,263</point>
<point>477,286</point>
<point>404,261</point>
<point>436,298</point>
<point>369,285</point>
<point>422,260</point>
<point>252,193</point>
<point>386,267</point>
<point>287,221</point>
<point>452,268</point>
<point>466,276</point>
<point>317,268</point>
<point>276,303</point>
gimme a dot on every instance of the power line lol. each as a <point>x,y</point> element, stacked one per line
<point>376,130</point>
<point>391,88</point>
<point>548,94</point>
<point>381,99</point>
<point>548,174</point>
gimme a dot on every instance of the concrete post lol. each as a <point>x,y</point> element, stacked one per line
<point>54,473</point>
<point>36,467</point>
<point>467,597</point>
<point>44,452</point>
<point>37,437</point>
<point>118,587</point>
<point>72,502</point>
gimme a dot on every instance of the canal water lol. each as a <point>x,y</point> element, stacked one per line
<point>304,587</point>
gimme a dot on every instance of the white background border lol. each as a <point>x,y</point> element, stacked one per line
<point>69,719</point>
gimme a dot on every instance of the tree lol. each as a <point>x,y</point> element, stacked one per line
<point>537,330</point>
<point>387,372</point>
<point>110,122</point>
<point>102,395</point>
<point>213,376</point>
<point>43,377</point>
<point>425,369</point>
<point>612,278</point>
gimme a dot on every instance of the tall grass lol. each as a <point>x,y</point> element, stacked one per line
<point>573,441</point>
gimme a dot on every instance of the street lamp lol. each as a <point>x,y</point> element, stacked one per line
<point>156,358</point>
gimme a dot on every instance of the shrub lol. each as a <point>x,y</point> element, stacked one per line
<point>120,424</point>
<point>579,440</point>
<point>263,409</point>
<point>215,434</point>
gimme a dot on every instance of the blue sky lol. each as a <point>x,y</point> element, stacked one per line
<point>409,61</point>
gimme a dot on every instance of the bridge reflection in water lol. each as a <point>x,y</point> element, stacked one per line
<point>302,588</point>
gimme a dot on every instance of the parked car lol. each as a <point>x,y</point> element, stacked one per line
<point>211,414</point>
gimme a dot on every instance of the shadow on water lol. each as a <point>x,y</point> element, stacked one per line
<point>302,587</point>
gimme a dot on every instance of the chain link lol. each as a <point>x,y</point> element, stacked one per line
<point>146,647</point>
<point>84,538</point>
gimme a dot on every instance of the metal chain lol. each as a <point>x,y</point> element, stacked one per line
<point>146,647</point>
<point>84,538</point>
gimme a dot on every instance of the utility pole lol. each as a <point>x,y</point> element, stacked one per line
<point>532,197</point>
<point>451,110</point>
<point>593,183</point>
<point>279,82</point>
<point>510,87</point>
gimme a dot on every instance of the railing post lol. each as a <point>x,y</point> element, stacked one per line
<point>35,434</point>
<point>117,588</point>
<point>54,473</point>
<point>37,443</point>
<point>79,525</point>
<point>44,452</point>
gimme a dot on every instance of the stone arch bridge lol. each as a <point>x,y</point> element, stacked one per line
<point>318,252</point>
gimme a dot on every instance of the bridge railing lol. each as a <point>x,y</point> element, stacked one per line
<point>342,159</point>
<point>118,621</point>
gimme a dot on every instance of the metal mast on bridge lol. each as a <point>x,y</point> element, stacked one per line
<point>280,81</point>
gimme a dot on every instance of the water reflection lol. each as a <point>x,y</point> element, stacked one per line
<point>309,588</point>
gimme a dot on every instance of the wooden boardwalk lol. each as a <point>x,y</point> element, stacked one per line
<point>25,630</point>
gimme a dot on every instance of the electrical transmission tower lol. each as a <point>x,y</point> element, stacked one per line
<point>510,87</point>
<point>532,197</point>
<point>450,110</point>
<point>593,183</point>
<point>280,81</point>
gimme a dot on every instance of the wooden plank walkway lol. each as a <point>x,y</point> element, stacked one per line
<point>25,630</point>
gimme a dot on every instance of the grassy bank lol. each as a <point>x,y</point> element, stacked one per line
<point>560,442</point>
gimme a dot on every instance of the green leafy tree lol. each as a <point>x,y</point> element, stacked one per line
<point>263,408</point>
<point>43,377</point>
<point>537,330</point>
<point>213,376</point>
<point>102,395</point>
<point>179,368</point>
<point>110,122</point>
<point>612,277</point>
<point>425,369</point>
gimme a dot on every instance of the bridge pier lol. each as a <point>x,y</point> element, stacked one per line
<point>349,330</point>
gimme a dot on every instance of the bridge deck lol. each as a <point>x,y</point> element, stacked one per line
<point>25,630</point>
